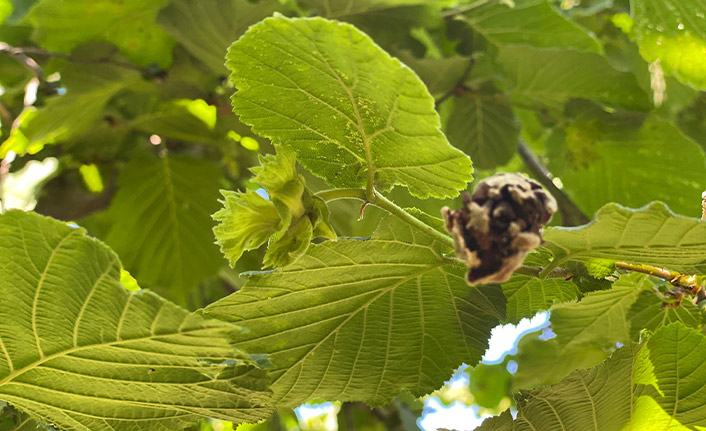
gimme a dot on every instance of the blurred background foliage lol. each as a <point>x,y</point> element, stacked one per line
<point>115,114</point>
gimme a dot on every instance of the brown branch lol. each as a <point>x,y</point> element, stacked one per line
<point>22,58</point>
<point>684,284</point>
<point>570,213</point>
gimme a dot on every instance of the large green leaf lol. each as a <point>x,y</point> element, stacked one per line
<point>651,235</point>
<point>528,295</point>
<point>633,166</point>
<point>528,22</point>
<point>677,355</point>
<point>600,318</point>
<point>596,399</point>
<point>207,27</point>
<point>363,319</point>
<point>483,128</point>
<point>128,24</point>
<point>349,110</point>
<point>161,222</point>
<point>80,352</point>
<point>658,386</point>
<point>553,76</point>
<point>672,32</point>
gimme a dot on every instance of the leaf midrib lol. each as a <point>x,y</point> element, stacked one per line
<point>11,376</point>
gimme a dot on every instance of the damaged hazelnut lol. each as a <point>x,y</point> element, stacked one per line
<point>496,227</point>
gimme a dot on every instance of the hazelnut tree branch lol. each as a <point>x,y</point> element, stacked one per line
<point>389,206</point>
<point>458,87</point>
<point>570,213</point>
<point>684,284</point>
<point>22,55</point>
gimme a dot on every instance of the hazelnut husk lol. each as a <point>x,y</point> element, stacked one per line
<point>498,225</point>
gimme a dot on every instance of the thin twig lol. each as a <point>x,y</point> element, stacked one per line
<point>684,284</point>
<point>458,86</point>
<point>452,13</point>
<point>21,54</point>
<point>22,58</point>
<point>701,294</point>
<point>570,213</point>
<point>4,170</point>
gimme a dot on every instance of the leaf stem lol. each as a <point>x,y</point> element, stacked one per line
<point>381,201</point>
<point>389,206</point>
<point>535,271</point>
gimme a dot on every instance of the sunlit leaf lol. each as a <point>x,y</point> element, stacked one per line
<point>673,32</point>
<point>363,319</point>
<point>651,235</point>
<point>107,358</point>
<point>348,109</point>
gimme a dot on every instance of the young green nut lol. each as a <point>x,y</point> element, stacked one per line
<point>498,225</point>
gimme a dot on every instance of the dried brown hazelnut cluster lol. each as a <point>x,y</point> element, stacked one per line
<point>499,225</point>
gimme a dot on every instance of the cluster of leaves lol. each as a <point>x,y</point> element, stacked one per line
<point>373,98</point>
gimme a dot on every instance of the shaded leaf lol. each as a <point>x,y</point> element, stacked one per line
<point>129,24</point>
<point>633,166</point>
<point>206,28</point>
<point>364,319</point>
<point>160,222</point>
<point>346,8</point>
<point>489,384</point>
<point>485,129</point>
<point>12,420</point>
<point>88,91</point>
<point>80,352</point>
<point>553,76</point>
<point>348,109</point>
<point>184,119</point>
<point>528,22</point>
